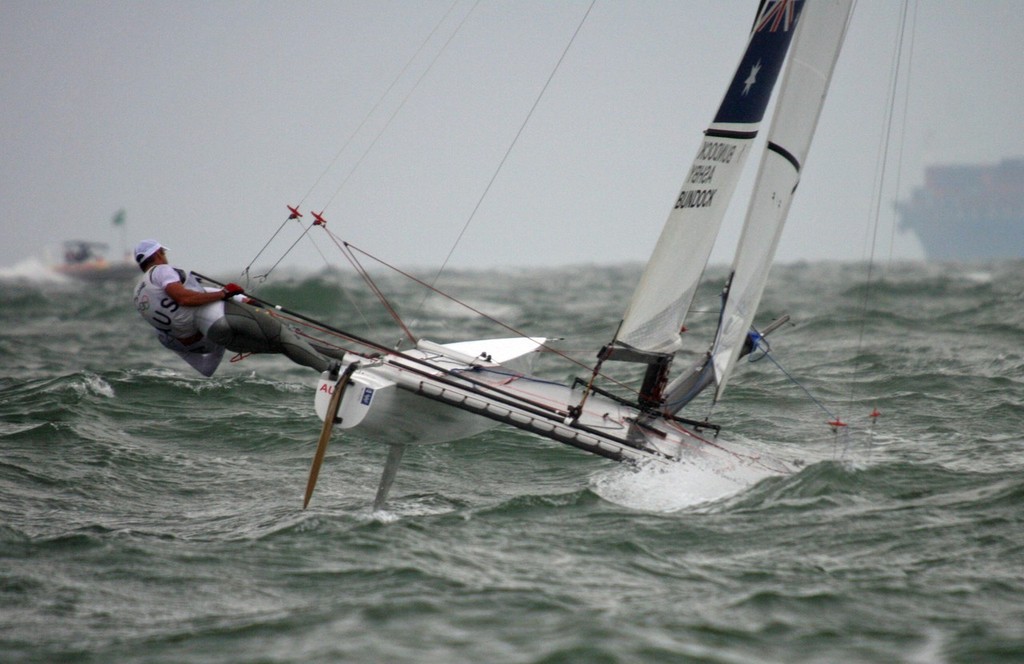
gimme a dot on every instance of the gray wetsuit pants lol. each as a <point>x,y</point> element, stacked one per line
<point>247,329</point>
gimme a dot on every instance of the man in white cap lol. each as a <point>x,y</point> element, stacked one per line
<point>198,323</point>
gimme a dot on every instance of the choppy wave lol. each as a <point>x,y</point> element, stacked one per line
<point>31,271</point>
<point>149,514</point>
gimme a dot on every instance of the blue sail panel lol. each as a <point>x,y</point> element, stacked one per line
<point>751,88</point>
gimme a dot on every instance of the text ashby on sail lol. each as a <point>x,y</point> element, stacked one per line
<point>704,174</point>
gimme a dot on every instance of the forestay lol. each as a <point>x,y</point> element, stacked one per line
<point>801,96</point>
<point>666,289</point>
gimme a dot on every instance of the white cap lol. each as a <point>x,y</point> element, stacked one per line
<point>145,249</point>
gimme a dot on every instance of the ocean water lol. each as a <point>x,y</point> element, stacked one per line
<point>150,515</point>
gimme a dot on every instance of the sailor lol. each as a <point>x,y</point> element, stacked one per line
<point>199,323</point>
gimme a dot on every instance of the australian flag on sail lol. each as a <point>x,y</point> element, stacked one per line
<point>750,90</point>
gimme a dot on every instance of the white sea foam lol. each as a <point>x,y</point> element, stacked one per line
<point>979,277</point>
<point>689,483</point>
<point>33,270</point>
<point>97,385</point>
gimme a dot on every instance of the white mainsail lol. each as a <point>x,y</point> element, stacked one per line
<point>656,313</point>
<point>801,96</point>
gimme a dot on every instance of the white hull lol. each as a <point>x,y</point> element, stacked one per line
<point>426,397</point>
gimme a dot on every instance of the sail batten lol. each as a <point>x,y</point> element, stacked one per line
<point>802,94</point>
<point>785,154</point>
<point>666,290</point>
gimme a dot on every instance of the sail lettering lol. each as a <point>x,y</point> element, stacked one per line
<point>715,151</point>
<point>695,198</point>
<point>701,174</point>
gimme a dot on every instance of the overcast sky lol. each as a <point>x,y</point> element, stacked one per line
<point>204,119</point>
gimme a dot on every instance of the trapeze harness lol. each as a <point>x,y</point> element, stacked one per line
<point>179,328</point>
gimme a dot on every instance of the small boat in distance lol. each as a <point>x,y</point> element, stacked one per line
<point>87,261</point>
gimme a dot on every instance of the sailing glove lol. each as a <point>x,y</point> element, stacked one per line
<point>231,290</point>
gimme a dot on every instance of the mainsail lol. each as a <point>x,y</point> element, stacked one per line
<point>666,289</point>
<point>801,96</point>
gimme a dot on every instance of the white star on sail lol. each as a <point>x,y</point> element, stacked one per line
<point>752,78</point>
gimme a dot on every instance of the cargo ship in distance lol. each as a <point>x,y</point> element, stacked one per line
<point>969,212</point>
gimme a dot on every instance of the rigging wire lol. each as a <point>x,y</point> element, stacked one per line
<point>391,118</point>
<point>433,289</point>
<point>766,353</point>
<point>903,124</point>
<point>508,151</point>
<point>355,167</point>
<point>294,211</point>
<point>295,214</point>
<point>884,153</point>
<point>384,96</point>
<point>245,271</point>
<point>305,233</point>
<point>346,250</point>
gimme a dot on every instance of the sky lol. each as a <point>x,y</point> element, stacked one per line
<point>431,131</point>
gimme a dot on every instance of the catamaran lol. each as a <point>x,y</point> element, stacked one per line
<point>434,392</point>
